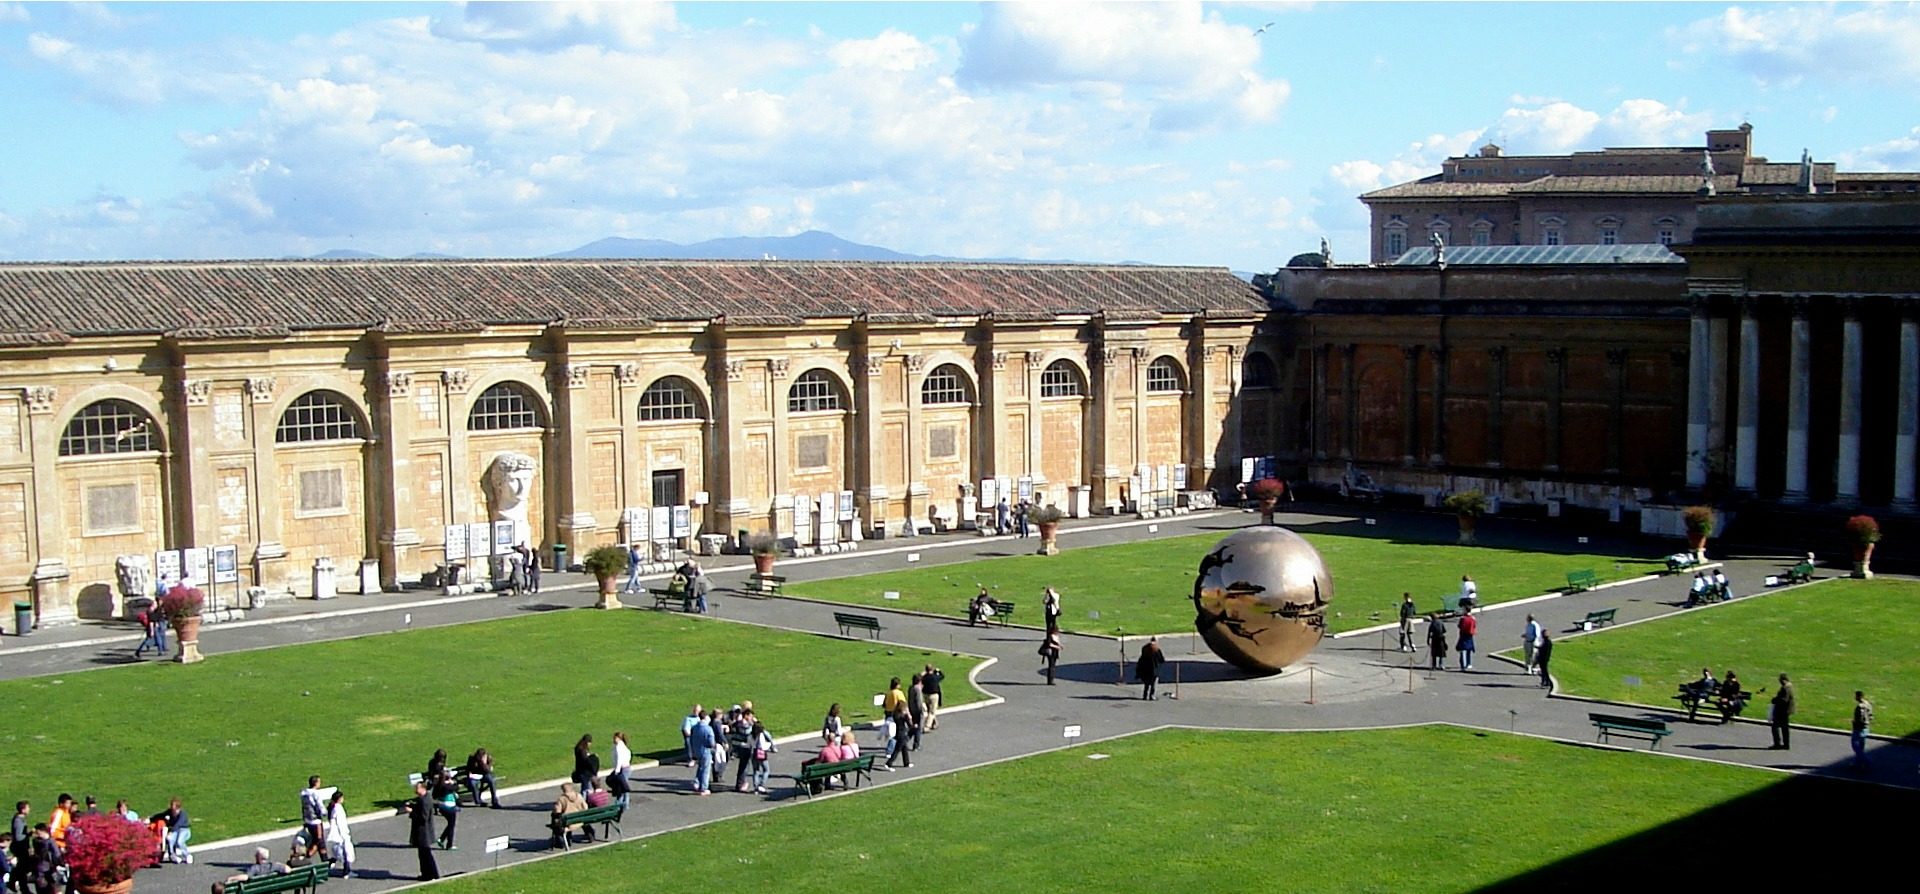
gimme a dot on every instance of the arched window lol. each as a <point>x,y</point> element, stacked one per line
<point>1163,376</point>
<point>1062,379</point>
<point>317,416</point>
<point>813,392</point>
<point>1256,371</point>
<point>508,405</point>
<point>945,385</point>
<point>667,398</point>
<point>107,427</point>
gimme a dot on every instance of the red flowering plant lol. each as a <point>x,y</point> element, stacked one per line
<point>1267,489</point>
<point>182,602</point>
<point>103,849</point>
<point>1863,529</point>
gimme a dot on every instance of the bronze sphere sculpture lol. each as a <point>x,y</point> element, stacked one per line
<point>1260,599</point>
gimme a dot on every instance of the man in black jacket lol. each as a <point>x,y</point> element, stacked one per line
<point>421,836</point>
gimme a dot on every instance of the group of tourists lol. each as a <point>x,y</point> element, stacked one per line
<point>1015,518</point>
<point>712,737</point>
<point>33,855</point>
<point>1709,586</point>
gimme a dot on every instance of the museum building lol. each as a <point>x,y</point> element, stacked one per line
<point>370,410</point>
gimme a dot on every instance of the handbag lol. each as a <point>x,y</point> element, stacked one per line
<point>759,754</point>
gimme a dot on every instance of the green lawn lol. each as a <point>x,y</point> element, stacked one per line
<point>1423,809</point>
<point>1146,587</point>
<point>1831,639</point>
<point>237,736</point>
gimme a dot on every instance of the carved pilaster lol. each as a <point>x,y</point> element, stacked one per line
<point>1107,356</point>
<point>40,399</point>
<point>260,389</point>
<point>916,362</point>
<point>999,360</point>
<point>198,392</point>
<point>1139,353</point>
<point>875,365</point>
<point>779,367</point>
<point>735,370</point>
<point>627,374</point>
<point>455,381</point>
<point>399,384</point>
<point>577,374</point>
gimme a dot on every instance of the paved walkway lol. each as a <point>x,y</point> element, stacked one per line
<point>1350,683</point>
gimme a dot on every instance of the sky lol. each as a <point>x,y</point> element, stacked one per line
<point>1225,134</point>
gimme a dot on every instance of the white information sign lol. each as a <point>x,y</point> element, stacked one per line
<point>166,568</point>
<point>1246,470</point>
<point>989,496</point>
<point>663,522</point>
<point>479,540</point>
<point>1180,477</point>
<point>226,564</point>
<point>1071,732</point>
<point>456,541</point>
<point>890,594</point>
<point>1026,488</point>
<point>498,843</point>
<point>802,518</point>
<point>196,565</point>
<point>635,520</point>
<point>682,521</point>
<point>502,537</point>
<point>846,505</point>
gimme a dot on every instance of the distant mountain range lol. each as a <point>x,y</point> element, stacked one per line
<point>812,245</point>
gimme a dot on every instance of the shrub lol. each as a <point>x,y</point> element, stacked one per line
<point>605,561</point>
<point>762,543</point>
<point>103,849</point>
<point>1699,520</point>
<point>1467,503</point>
<point>182,602</point>
<point>1863,529</point>
<point>1048,514</point>
<point>1267,489</point>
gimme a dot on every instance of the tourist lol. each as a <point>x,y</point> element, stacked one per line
<point>121,810</point>
<point>895,697</point>
<point>1720,584</point>
<point>930,679</point>
<point>420,835</point>
<point>700,748</point>
<point>1050,652</point>
<point>902,735</point>
<point>60,819</point>
<point>740,743</point>
<point>1780,715</point>
<point>155,625</point>
<point>179,828</point>
<point>262,866</point>
<point>1697,594</point>
<point>886,731</point>
<point>761,743</point>
<point>634,561</point>
<point>622,766</point>
<point>831,727</point>
<point>22,825</point>
<point>586,764</point>
<point>446,800</point>
<point>339,836</point>
<point>44,857</point>
<point>981,608</point>
<point>1469,625</point>
<point>849,747</point>
<point>917,708</point>
<point>1469,593</point>
<point>1020,514</point>
<point>1147,669</point>
<point>1050,607</point>
<point>830,753</point>
<point>1436,643</point>
<point>1407,611</point>
<point>313,815</point>
<point>1732,695</point>
<point>568,802</point>
<point>1003,517</point>
<point>694,718</point>
<point>1541,653</point>
<point>1862,727</point>
<point>480,775</point>
<point>717,722</point>
<point>1529,639</point>
<point>696,583</point>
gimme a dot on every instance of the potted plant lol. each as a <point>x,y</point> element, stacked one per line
<point>1268,492</point>
<point>1048,518</point>
<point>1865,532</point>
<point>181,606</point>
<point>764,547</point>
<point>1699,522</point>
<point>605,562</point>
<point>104,851</point>
<point>1467,506</point>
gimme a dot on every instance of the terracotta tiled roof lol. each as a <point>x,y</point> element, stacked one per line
<point>1683,184</point>
<point>1787,173</point>
<point>1435,188</point>
<point>40,302</point>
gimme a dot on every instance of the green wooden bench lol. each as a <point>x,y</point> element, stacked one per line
<point>1597,618</point>
<point>1584,579</point>
<point>765,584</point>
<point>1800,574</point>
<point>1001,612</point>
<point>860,767</point>
<point>608,817</point>
<point>304,878</point>
<point>849,623</point>
<point>1611,725</point>
<point>664,597</point>
<point>1449,605</point>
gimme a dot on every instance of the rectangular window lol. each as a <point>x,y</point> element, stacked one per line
<point>1666,237</point>
<point>1609,236</point>
<point>113,509</point>
<point>669,488</point>
<point>943,442</point>
<point>1483,236</point>
<point>1396,244</point>
<point>810,451</point>
<point>322,492</point>
<point>1550,237</point>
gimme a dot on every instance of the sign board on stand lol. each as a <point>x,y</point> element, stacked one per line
<point>1246,469</point>
<point>682,522</point>
<point>226,564</point>
<point>455,538</point>
<point>196,564</point>
<point>1026,488</point>
<point>166,568</point>
<point>846,505</point>
<point>635,522</point>
<point>498,843</point>
<point>502,537</point>
<point>479,540</point>
<point>662,523</point>
<point>1180,477</point>
<point>989,496</point>
<point>1071,732</point>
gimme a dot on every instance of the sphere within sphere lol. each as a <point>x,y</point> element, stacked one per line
<point>1260,599</point>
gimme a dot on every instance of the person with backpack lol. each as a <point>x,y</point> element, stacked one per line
<point>1436,643</point>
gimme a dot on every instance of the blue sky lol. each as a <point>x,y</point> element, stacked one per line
<point>1167,133</point>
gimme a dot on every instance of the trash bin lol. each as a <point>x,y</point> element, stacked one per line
<point>22,618</point>
<point>559,557</point>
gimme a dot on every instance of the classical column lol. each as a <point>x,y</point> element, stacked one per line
<point>1746,445</point>
<point>1439,454</point>
<point>575,522</point>
<point>1908,426</point>
<point>1320,385</point>
<point>1617,424</point>
<point>1350,400</point>
<point>53,601</point>
<point>867,479</point>
<point>1496,399</point>
<point>1846,477</point>
<point>1556,394</point>
<point>1700,346</point>
<point>1799,401</point>
<point>1410,427</point>
<point>269,552</point>
<point>1720,347</point>
<point>392,467</point>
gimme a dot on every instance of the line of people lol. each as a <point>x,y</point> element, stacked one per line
<point>33,856</point>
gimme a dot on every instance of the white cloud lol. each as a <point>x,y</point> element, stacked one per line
<point>1898,154</point>
<point>1191,68</point>
<point>1561,127</point>
<point>1785,44</point>
<point>555,25</point>
<point>14,12</point>
<point>891,51</point>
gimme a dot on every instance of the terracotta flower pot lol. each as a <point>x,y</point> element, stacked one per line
<point>186,634</point>
<point>1863,561</point>
<point>1267,505</point>
<point>763,563</point>
<point>608,596</point>
<point>1697,544</point>
<point>119,887</point>
<point>1467,523</point>
<point>1049,531</point>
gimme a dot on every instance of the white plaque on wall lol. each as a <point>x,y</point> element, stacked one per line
<point>455,537</point>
